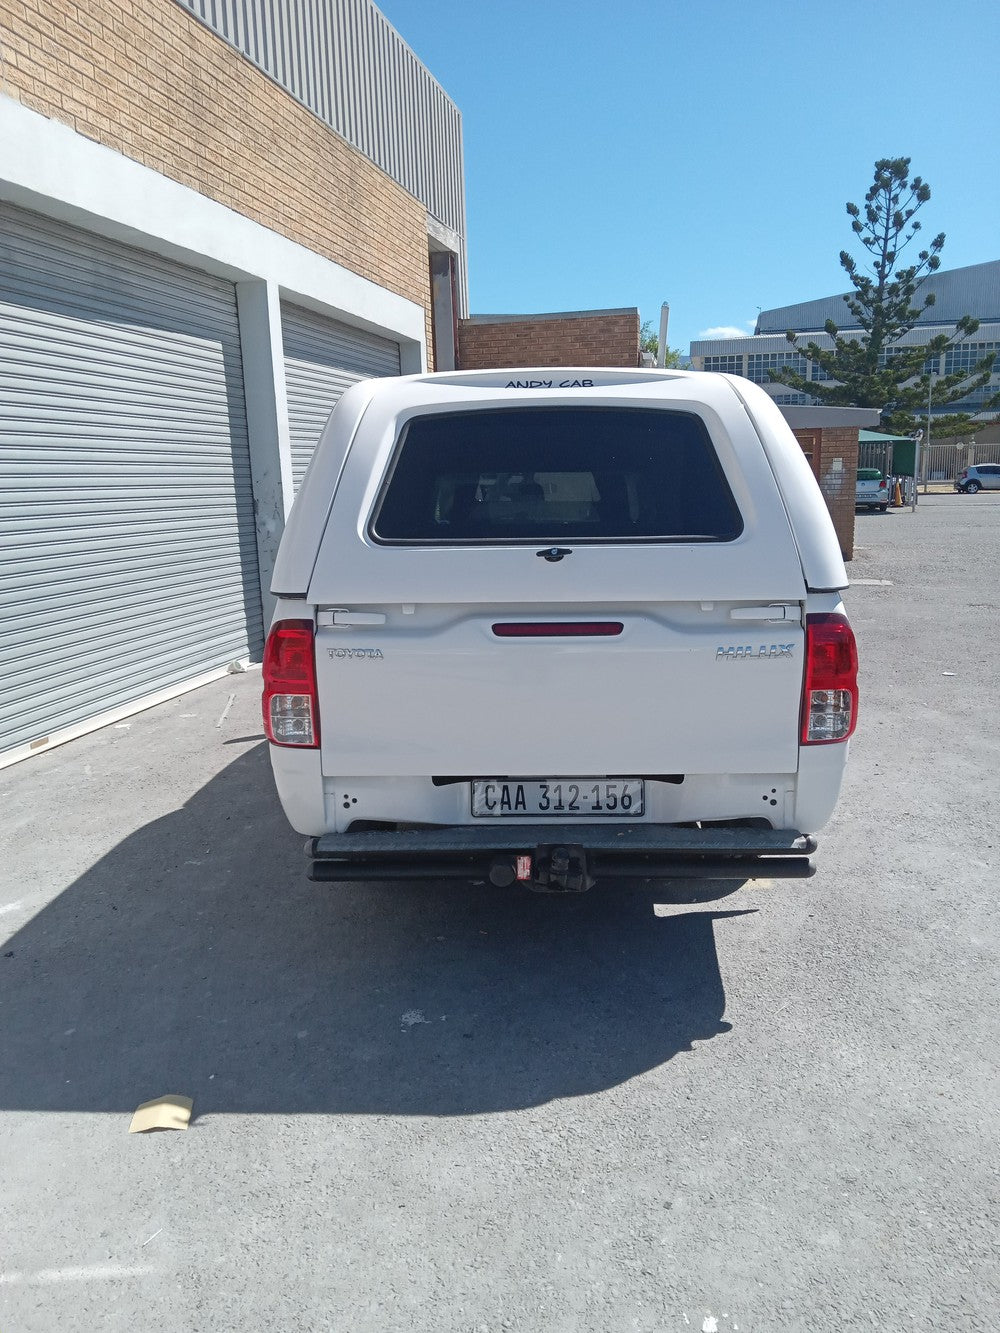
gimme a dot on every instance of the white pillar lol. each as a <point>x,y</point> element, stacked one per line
<point>661,351</point>
<point>412,357</point>
<point>259,307</point>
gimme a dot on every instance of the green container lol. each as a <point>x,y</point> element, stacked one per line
<point>903,449</point>
<point>902,457</point>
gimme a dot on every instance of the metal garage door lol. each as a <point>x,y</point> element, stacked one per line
<point>322,359</point>
<point>126,512</point>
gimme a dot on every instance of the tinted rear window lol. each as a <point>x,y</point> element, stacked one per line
<point>556,474</point>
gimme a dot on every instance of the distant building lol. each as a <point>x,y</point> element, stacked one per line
<point>974,290</point>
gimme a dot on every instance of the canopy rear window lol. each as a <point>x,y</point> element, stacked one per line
<point>553,474</point>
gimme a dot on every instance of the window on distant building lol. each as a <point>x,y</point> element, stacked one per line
<point>761,364</point>
<point>889,354</point>
<point>964,356</point>
<point>725,365</point>
<point>961,359</point>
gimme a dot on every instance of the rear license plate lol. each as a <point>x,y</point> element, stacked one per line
<point>558,798</point>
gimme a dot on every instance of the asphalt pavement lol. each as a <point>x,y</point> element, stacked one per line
<point>446,1109</point>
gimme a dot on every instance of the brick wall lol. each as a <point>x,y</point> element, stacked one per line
<point>833,453</point>
<point>145,78</point>
<point>601,338</point>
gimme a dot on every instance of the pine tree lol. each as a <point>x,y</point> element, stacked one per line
<point>873,368</point>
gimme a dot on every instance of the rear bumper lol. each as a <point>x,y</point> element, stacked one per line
<point>610,850</point>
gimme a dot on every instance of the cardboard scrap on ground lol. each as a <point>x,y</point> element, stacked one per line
<point>167,1112</point>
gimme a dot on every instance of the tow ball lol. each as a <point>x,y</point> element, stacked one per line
<point>549,869</point>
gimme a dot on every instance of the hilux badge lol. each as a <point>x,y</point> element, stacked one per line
<point>742,652</point>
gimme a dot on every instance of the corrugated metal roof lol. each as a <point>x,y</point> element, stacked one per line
<point>973,290</point>
<point>743,344</point>
<point>752,344</point>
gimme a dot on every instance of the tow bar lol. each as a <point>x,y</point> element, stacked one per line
<point>550,869</point>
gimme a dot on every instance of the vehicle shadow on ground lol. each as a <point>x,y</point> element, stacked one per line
<point>196,959</point>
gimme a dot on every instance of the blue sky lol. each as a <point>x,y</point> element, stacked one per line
<point>628,154</point>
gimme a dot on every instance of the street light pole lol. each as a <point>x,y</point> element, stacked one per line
<point>930,386</point>
<point>661,350</point>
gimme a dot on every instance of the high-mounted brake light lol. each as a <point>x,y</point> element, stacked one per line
<point>290,703</point>
<point>557,629</point>
<point>830,700</point>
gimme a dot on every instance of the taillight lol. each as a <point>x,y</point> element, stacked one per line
<point>290,705</point>
<point>830,703</point>
<point>963,474</point>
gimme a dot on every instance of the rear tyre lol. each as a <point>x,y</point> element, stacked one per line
<point>971,487</point>
<point>882,508</point>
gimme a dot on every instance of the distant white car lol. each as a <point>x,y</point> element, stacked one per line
<point>872,489</point>
<point>552,625</point>
<point>981,477</point>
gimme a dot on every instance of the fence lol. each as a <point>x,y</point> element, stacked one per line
<point>876,453</point>
<point>942,463</point>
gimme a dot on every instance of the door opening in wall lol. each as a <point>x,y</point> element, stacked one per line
<point>444,309</point>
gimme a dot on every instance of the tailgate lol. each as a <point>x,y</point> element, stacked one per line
<point>665,525</point>
<point>462,691</point>
<point>871,491</point>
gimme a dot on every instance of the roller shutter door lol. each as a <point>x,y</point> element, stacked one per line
<point>126,510</point>
<point>322,359</point>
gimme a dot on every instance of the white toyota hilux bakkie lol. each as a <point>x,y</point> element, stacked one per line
<point>553,626</point>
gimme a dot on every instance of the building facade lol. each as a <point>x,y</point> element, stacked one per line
<point>974,290</point>
<point>567,338</point>
<point>213,218</point>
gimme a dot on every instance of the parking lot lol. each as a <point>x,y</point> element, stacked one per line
<point>469,1110</point>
